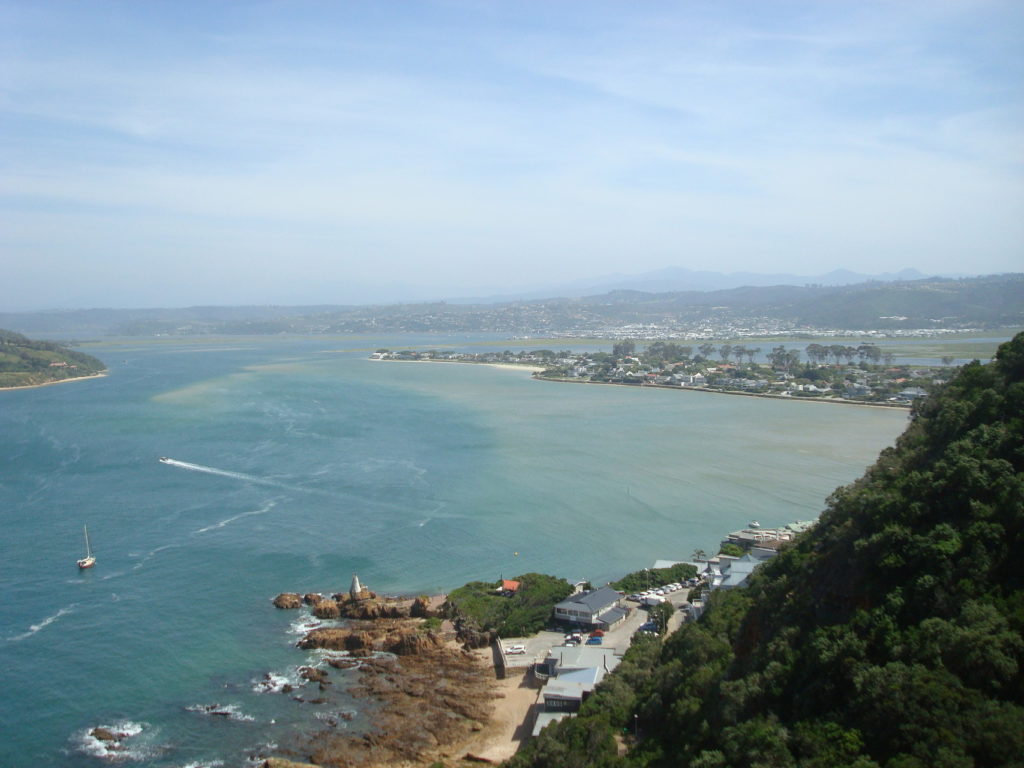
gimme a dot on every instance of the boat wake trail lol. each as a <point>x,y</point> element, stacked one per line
<point>44,623</point>
<point>235,475</point>
<point>262,511</point>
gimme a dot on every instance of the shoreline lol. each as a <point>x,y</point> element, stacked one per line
<point>484,711</point>
<point>536,369</point>
<point>764,395</point>
<point>506,366</point>
<point>99,375</point>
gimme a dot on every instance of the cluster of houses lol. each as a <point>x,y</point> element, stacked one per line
<point>569,673</point>
<point>895,385</point>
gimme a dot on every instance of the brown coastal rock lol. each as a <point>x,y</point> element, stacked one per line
<point>312,598</point>
<point>288,600</point>
<point>103,734</point>
<point>374,609</point>
<point>312,674</point>
<point>420,608</point>
<point>411,643</point>
<point>326,609</point>
<point>278,762</point>
<point>432,704</point>
<point>398,637</point>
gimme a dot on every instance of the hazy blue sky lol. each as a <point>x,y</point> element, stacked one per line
<point>174,153</point>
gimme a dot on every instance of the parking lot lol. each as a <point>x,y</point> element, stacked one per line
<point>535,648</point>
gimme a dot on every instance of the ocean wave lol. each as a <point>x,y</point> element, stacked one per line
<point>306,623</point>
<point>127,742</point>
<point>204,764</point>
<point>229,711</point>
<point>273,682</point>
<point>33,628</point>
<point>260,753</point>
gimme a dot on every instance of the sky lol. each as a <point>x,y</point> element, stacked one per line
<point>181,153</point>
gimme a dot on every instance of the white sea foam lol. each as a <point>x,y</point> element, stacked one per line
<point>228,711</point>
<point>150,554</point>
<point>274,682</point>
<point>126,746</point>
<point>33,628</point>
<point>227,521</point>
<point>204,764</point>
<point>305,623</point>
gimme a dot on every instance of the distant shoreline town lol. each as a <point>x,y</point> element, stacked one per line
<point>828,375</point>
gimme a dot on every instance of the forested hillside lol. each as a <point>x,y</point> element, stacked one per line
<point>24,362</point>
<point>889,635</point>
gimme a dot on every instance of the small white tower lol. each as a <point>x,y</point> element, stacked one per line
<point>356,589</point>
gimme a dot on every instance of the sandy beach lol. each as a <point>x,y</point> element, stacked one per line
<point>512,719</point>
<point>506,366</point>
<point>99,375</point>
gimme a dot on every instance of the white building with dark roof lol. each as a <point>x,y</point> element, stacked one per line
<point>598,608</point>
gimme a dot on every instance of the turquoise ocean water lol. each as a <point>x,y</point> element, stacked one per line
<point>299,462</point>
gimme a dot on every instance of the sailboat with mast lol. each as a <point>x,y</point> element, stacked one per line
<point>89,560</point>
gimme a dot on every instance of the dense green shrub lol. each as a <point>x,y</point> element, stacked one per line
<point>654,577</point>
<point>483,605</point>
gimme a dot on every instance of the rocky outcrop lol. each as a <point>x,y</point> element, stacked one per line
<point>312,598</point>
<point>313,675</point>
<point>278,762</point>
<point>420,608</point>
<point>326,609</point>
<point>399,638</point>
<point>416,643</point>
<point>471,637</point>
<point>288,600</point>
<point>105,734</point>
<point>432,705</point>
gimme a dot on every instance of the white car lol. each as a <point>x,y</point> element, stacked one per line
<point>515,650</point>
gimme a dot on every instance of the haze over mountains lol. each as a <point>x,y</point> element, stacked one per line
<point>995,301</point>
<point>682,279</point>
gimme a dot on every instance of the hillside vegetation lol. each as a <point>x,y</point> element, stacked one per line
<point>482,607</point>
<point>890,635</point>
<point>24,362</point>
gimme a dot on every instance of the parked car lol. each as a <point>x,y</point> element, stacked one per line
<point>515,650</point>
<point>594,641</point>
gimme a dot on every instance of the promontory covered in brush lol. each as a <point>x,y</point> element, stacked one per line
<point>26,363</point>
<point>889,635</point>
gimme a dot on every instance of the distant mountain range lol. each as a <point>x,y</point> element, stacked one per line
<point>680,279</point>
<point>994,301</point>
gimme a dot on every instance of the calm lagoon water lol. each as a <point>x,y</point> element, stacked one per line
<point>299,462</point>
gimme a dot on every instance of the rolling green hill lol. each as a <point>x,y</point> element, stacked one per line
<point>24,362</point>
<point>890,635</point>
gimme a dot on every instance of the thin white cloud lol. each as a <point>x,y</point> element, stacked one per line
<point>484,141</point>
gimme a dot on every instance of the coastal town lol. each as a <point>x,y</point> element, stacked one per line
<point>859,374</point>
<point>397,645</point>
